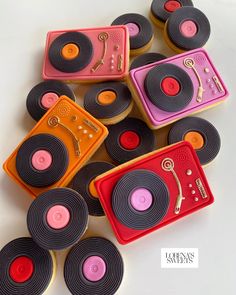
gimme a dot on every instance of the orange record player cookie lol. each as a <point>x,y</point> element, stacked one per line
<point>51,154</point>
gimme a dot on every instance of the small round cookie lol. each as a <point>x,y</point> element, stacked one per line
<point>57,218</point>
<point>44,95</point>
<point>146,59</point>
<point>187,28</point>
<point>161,10</point>
<point>202,135</point>
<point>129,139</point>
<point>140,31</point>
<point>83,183</point>
<point>109,102</point>
<point>25,268</point>
<point>94,266</point>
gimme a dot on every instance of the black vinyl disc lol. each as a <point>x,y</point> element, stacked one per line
<point>82,180</point>
<point>59,160</point>
<point>129,139</point>
<point>146,59</point>
<point>162,11</point>
<point>111,264</point>
<point>119,105</point>
<point>76,64</point>
<point>25,268</point>
<point>190,14</point>
<point>209,133</point>
<point>50,231</point>
<point>33,102</point>
<point>122,204</point>
<point>145,32</point>
<point>153,86</point>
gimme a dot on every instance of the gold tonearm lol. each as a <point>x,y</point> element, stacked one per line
<point>189,63</point>
<point>168,165</point>
<point>55,121</point>
<point>103,37</point>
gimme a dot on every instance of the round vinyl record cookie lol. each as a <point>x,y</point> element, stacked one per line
<point>83,183</point>
<point>202,135</point>
<point>57,218</point>
<point>161,10</point>
<point>129,139</point>
<point>94,266</point>
<point>109,102</point>
<point>146,59</point>
<point>44,95</point>
<point>25,268</point>
<point>140,31</point>
<point>187,28</point>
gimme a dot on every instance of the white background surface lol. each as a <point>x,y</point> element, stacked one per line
<point>23,27</point>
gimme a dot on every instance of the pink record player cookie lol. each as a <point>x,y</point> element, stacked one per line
<point>176,87</point>
<point>87,55</point>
